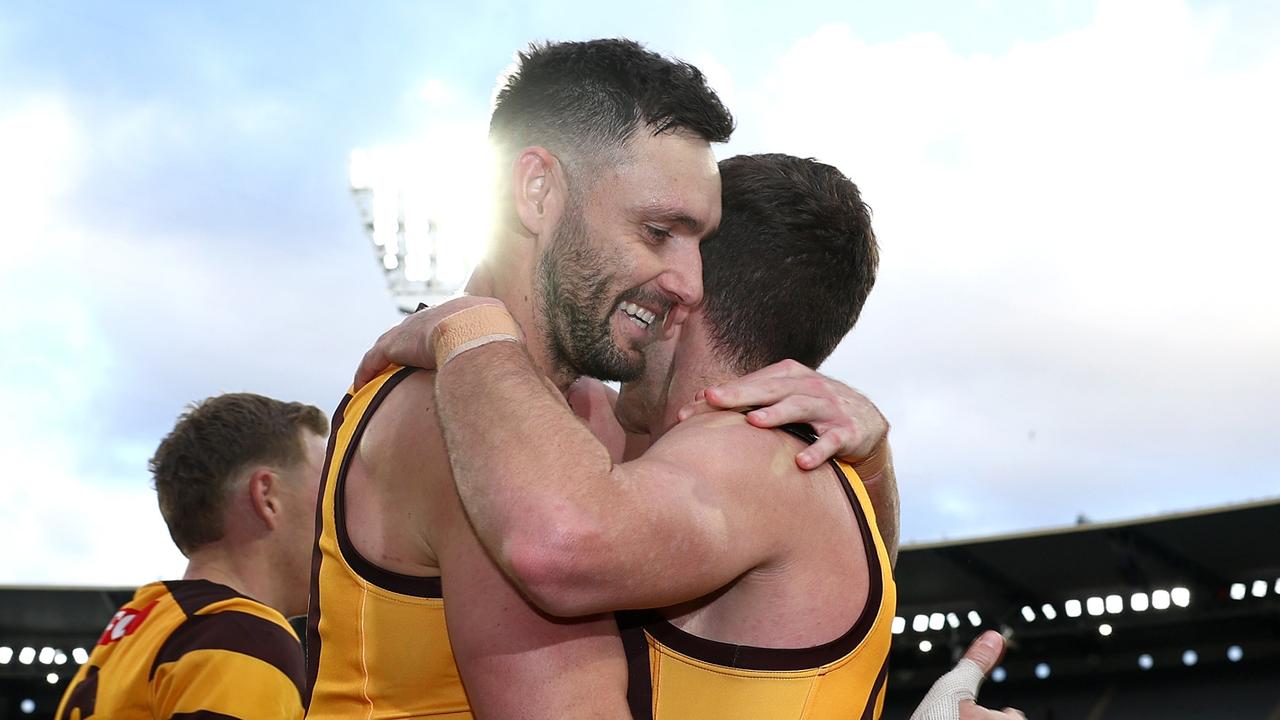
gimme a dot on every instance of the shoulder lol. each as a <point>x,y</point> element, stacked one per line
<point>724,445</point>
<point>230,629</point>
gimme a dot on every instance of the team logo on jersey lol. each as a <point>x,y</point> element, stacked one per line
<point>124,623</point>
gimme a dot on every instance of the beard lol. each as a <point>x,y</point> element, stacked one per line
<point>577,298</point>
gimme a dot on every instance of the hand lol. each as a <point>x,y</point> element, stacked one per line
<point>847,423</point>
<point>409,343</point>
<point>952,696</point>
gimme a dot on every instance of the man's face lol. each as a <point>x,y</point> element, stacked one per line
<point>625,253</point>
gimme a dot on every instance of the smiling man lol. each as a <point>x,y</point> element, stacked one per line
<point>608,186</point>
<point>773,585</point>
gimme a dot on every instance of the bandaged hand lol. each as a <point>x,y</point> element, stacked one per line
<point>953,696</point>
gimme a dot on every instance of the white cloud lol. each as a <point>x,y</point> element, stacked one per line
<point>1077,238</point>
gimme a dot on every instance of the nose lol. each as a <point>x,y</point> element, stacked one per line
<point>682,278</point>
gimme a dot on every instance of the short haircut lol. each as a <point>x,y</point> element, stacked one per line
<point>793,260</point>
<point>584,99</point>
<point>212,442</point>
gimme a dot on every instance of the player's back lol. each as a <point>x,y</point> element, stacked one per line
<point>676,673</point>
<point>190,646</point>
<point>376,637</point>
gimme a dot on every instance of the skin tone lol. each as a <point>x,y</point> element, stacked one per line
<point>269,528</point>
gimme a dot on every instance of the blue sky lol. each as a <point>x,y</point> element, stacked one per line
<point>1076,311</point>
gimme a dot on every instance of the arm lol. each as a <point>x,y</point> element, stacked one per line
<point>581,534</point>
<point>514,661</point>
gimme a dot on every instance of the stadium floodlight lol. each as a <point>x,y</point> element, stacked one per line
<point>1190,657</point>
<point>1238,591</point>
<point>1160,599</point>
<point>428,228</point>
<point>6,654</point>
<point>999,674</point>
<point>27,706</point>
<point>1259,588</point>
<point>1115,604</point>
<point>60,658</point>
<point>1095,605</point>
<point>1235,653</point>
<point>1139,602</point>
<point>27,655</point>
<point>1104,630</point>
<point>974,618</point>
<point>1048,611</point>
<point>1180,596</point>
<point>1145,662</point>
<point>1042,670</point>
<point>79,655</point>
<point>936,621</point>
<point>46,655</point>
<point>1072,607</point>
<point>52,678</point>
<point>899,624</point>
<point>920,623</point>
<point>1028,613</point>
<point>925,646</point>
<point>953,620</point>
<point>1278,586</point>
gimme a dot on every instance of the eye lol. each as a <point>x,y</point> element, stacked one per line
<point>656,234</point>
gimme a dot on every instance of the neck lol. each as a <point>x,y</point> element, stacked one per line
<point>693,368</point>
<point>513,280</point>
<point>241,569</point>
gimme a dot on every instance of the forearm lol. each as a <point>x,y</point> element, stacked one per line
<point>537,489</point>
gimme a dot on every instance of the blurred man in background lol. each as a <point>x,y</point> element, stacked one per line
<point>237,481</point>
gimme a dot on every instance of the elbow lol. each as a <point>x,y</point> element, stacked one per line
<point>561,572</point>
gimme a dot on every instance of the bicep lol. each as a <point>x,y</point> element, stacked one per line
<point>516,661</point>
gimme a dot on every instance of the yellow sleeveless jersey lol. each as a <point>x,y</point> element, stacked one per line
<point>675,675</point>
<point>190,649</point>
<point>377,646</point>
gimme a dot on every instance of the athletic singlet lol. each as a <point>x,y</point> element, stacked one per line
<point>377,646</point>
<point>189,649</point>
<point>676,675</point>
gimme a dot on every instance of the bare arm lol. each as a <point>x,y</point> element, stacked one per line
<point>514,661</point>
<point>581,534</point>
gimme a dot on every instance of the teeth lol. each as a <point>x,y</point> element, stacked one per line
<point>641,316</point>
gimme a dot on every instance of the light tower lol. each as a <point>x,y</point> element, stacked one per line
<point>428,229</point>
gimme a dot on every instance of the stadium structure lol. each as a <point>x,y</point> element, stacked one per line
<point>1170,617</point>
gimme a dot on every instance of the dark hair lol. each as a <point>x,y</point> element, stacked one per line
<point>579,98</point>
<point>787,272</point>
<point>211,442</point>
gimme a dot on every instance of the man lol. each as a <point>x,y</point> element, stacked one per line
<point>776,586</point>
<point>607,163</point>
<point>237,481</point>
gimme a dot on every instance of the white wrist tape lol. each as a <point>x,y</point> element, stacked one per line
<point>943,699</point>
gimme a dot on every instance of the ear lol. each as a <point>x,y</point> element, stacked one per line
<point>538,189</point>
<point>264,496</point>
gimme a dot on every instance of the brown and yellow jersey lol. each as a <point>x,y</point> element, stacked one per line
<point>676,675</point>
<point>190,649</point>
<point>377,646</point>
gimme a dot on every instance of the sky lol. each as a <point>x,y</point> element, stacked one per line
<point>1076,312</point>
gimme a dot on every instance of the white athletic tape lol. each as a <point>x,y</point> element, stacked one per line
<point>943,699</point>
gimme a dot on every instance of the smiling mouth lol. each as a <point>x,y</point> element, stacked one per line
<point>642,317</point>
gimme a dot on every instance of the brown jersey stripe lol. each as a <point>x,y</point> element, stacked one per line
<point>195,595</point>
<point>413,585</point>
<point>635,646</point>
<point>236,632</point>
<point>869,712</point>
<point>202,715</point>
<point>311,647</point>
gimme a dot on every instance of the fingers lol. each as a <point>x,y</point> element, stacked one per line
<point>986,651</point>
<point>790,409</point>
<point>827,447</point>
<point>759,391</point>
<point>969,710</point>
